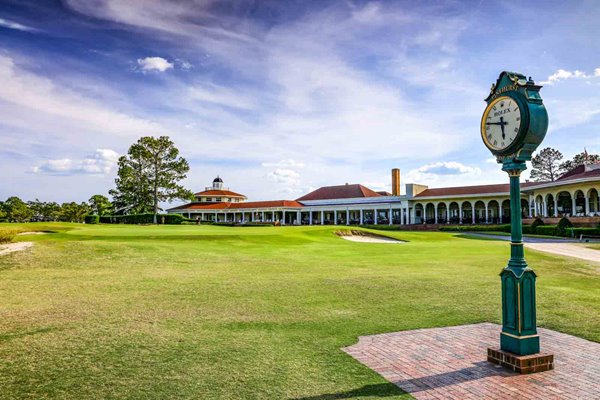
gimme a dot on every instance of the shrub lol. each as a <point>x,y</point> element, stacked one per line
<point>91,219</point>
<point>7,235</point>
<point>537,222</point>
<point>563,224</point>
<point>167,219</point>
<point>577,232</point>
<point>476,228</point>
<point>548,230</point>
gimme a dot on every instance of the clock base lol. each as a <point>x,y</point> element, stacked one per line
<point>529,364</point>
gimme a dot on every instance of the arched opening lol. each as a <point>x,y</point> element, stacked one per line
<point>506,212</point>
<point>479,212</point>
<point>441,213</point>
<point>594,202</point>
<point>493,212</point>
<point>579,204</point>
<point>419,213</point>
<point>454,213</point>
<point>524,208</point>
<point>550,205</point>
<point>565,204</point>
<point>429,213</point>
<point>467,212</point>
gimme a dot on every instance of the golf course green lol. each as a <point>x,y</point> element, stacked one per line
<point>213,312</point>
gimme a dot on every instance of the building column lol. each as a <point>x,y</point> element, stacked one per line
<point>435,219</point>
<point>263,216</point>
<point>487,220</point>
<point>347,217</point>
<point>310,217</point>
<point>298,218</point>
<point>361,216</point>
<point>574,201</point>
<point>447,214</point>
<point>335,217</point>
<point>545,209</point>
<point>375,216</point>
<point>390,216</point>
<point>500,211</point>
<point>587,205</point>
<point>322,217</point>
<point>473,211</point>
<point>401,214</point>
<point>460,215</point>
<point>282,217</point>
<point>555,206</point>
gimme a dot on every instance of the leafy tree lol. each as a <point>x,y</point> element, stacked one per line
<point>2,212</point>
<point>546,165</point>
<point>73,212</point>
<point>100,205</point>
<point>51,211</point>
<point>17,210</point>
<point>149,174</point>
<point>580,159</point>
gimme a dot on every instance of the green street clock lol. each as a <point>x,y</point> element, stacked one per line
<point>515,120</point>
<point>513,125</point>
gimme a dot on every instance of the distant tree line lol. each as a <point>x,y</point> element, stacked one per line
<point>16,210</point>
<point>148,175</point>
<point>547,164</point>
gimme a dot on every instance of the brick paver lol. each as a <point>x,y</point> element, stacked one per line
<point>450,363</point>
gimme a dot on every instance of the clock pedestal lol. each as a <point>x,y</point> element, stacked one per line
<point>519,341</point>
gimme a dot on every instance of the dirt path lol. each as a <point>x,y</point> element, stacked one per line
<point>567,249</point>
<point>12,247</point>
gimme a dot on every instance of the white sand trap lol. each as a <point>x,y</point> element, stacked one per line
<point>567,249</point>
<point>12,247</point>
<point>32,233</point>
<point>365,237</point>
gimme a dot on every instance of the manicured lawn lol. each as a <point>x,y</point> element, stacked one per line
<point>209,312</point>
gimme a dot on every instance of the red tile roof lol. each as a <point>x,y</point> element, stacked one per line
<point>471,190</point>
<point>339,192</point>
<point>219,193</point>
<point>581,172</point>
<point>237,206</point>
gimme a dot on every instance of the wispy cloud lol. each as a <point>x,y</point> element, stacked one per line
<point>4,23</point>
<point>562,75</point>
<point>102,162</point>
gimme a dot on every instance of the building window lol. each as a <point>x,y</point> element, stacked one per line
<point>218,199</point>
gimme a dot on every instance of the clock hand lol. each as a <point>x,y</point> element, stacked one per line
<point>502,123</point>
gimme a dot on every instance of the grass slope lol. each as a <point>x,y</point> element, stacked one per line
<point>154,312</point>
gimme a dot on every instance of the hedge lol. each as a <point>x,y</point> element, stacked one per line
<point>476,228</point>
<point>577,232</point>
<point>563,225</point>
<point>167,219</point>
<point>91,219</point>
<point>548,230</point>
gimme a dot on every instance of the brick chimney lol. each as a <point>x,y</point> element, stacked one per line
<point>395,182</point>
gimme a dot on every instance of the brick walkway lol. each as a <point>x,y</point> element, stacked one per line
<point>450,363</point>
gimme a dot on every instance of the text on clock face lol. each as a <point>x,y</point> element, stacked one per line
<point>502,123</point>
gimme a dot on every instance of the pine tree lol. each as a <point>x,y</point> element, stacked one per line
<point>545,166</point>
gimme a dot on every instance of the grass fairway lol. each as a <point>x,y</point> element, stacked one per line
<point>210,312</point>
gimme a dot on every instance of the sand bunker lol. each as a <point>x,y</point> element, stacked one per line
<point>365,237</point>
<point>12,247</point>
<point>32,233</point>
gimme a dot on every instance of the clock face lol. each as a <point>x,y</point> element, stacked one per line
<point>501,123</point>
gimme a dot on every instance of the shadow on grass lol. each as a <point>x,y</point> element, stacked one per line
<point>375,391</point>
<point>5,337</point>
<point>481,237</point>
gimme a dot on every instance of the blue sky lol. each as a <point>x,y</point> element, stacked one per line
<point>280,97</point>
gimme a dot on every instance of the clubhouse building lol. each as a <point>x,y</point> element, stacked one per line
<point>574,194</point>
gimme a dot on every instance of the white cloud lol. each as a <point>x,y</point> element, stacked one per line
<point>285,177</point>
<point>102,162</point>
<point>15,25</point>
<point>562,75</point>
<point>154,64</point>
<point>288,163</point>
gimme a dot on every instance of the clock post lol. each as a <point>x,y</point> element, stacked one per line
<point>513,125</point>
